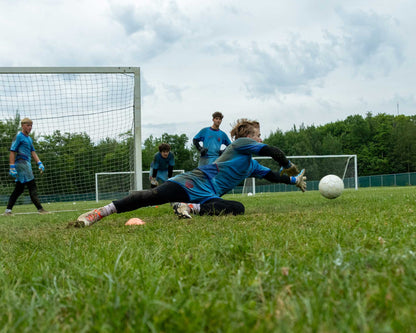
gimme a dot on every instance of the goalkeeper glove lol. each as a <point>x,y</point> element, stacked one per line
<point>203,151</point>
<point>153,182</point>
<point>41,167</point>
<point>290,169</point>
<point>13,171</point>
<point>299,180</point>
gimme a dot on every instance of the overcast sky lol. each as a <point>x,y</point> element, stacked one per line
<point>284,63</point>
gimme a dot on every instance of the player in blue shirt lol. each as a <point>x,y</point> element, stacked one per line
<point>212,139</point>
<point>162,165</point>
<point>203,187</point>
<point>21,153</point>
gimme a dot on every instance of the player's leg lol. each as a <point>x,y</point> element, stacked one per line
<point>162,194</point>
<point>167,192</point>
<point>216,206</point>
<point>33,192</point>
<point>18,190</point>
<point>220,206</point>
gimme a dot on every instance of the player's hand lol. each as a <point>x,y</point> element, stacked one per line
<point>41,167</point>
<point>301,181</point>
<point>204,151</point>
<point>13,171</point>
<point>153,182</point>
<point>290,169</point>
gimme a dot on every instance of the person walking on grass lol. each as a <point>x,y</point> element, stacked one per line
<point>212,139</point>
<point>21,153</point>
<point>199,191</point>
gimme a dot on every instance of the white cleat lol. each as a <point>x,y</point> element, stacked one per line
<point>89,218</point>
<point>182,210</point>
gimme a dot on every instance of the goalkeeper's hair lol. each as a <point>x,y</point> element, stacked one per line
<point>243,128</point>
<point>164,147</point>
<point>26,121</point>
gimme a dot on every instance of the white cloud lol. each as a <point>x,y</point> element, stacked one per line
<point>283,63</point>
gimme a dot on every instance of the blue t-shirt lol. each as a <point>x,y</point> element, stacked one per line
<point>162,165</point>
<point>22,145</point>
<point>232,167</point>
<point>212,140</point>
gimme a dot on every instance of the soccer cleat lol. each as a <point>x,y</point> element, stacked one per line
<point>8,213</point>
<point>89,218</point>
<point>43,212</point>
<point>182,210</point>
<point>301,180</point>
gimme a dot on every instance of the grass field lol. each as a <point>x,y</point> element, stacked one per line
<point>295,262</point>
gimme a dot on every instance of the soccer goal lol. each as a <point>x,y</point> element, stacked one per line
<point>316,167</point>
<point>116,185</point>
<point>86,120</point>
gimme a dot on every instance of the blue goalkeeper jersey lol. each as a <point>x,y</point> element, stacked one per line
<point>22,145</point>
<point>229,170</point>
<point>162,165</point>
<point>212,140</point>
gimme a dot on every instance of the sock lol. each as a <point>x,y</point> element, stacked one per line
<point>195,208</point>
<point>108,209</point>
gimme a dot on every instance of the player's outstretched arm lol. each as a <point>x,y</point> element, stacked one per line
<point>286,166</point>
<point>290,169</point>
<point>274,153</point>
<point>299,180</point>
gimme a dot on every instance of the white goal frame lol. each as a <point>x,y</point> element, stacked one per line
<point>120,173</point>
<point>349,157</point>
<point>138,185</point>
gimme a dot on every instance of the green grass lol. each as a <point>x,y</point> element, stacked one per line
<point>295,262</point>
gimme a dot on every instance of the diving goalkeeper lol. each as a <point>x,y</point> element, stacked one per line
<point>203,187</point>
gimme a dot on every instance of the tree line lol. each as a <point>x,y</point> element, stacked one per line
<point>383,143</point>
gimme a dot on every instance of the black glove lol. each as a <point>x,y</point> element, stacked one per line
<point>203,151</point>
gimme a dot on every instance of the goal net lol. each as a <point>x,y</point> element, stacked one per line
<point>85,121</point>
<point>116,185</point>
<point>316,167</point>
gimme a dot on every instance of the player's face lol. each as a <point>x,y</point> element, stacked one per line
<point>164,154</point>
<point>217,122</point>
<point>256,135</point>
<point>26,128</point>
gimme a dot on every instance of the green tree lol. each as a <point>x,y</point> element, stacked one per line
<point>403,154</point>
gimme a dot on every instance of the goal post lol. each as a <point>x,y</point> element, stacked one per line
<point>85,120</point>
<point>316,166</point>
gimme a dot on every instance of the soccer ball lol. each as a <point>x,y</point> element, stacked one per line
<point>331,186</point>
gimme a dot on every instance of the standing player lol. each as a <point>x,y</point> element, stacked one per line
<point>162,166</point>
<point>204,186</point>
<point>212,138</point>
<point>21,153</point>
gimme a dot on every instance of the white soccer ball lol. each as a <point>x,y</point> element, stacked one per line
<point>249,194</point>
<point>331,186</point>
